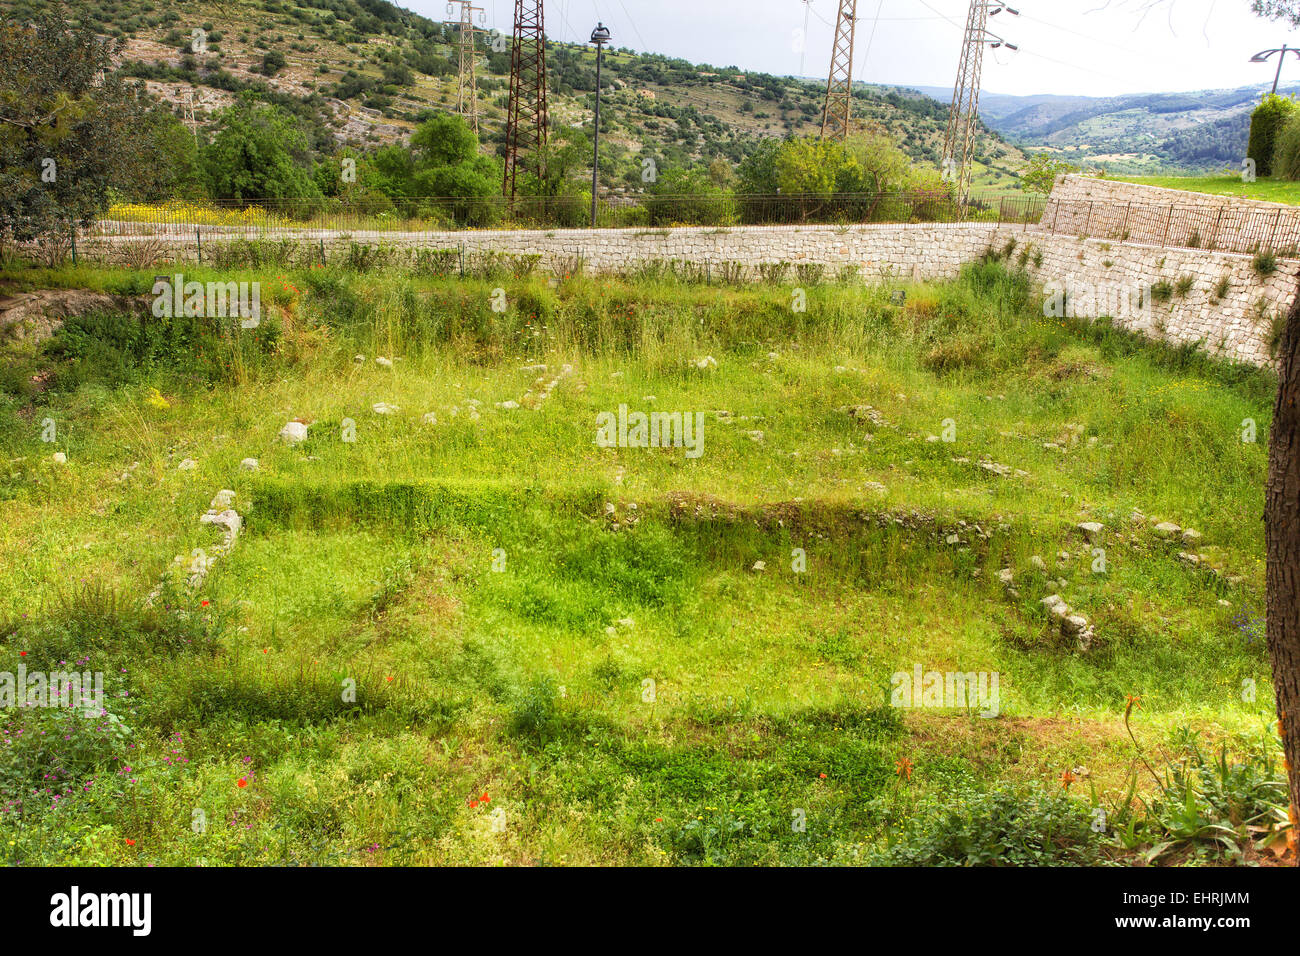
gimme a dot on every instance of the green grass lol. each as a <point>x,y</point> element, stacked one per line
<point>626,687</point>
<point>1263,189</point>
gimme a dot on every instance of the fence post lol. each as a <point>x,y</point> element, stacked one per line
<point>1087,225</point>
<point>322,250</point>
<point>1056,215</point>
<point>74,244</point>
<point>1276,219</point>
<point>198,240</point>
<point>1123,230</point>
<point>1168,222</point>
<point>1218,222</point>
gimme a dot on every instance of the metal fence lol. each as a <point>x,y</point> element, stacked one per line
<point>312,217</point>
<point>1219,227</point>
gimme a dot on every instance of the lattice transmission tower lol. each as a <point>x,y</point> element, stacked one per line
<point>466,77</point>
<point>963,118</point>
<point>526,118</point>
<point>838,114</point>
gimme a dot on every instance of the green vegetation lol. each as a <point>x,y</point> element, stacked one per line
<point>1266,123</point>
<point>1226,184</point>
<point>583,637</point>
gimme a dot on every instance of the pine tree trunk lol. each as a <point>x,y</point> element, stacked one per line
<point>1282,533</point>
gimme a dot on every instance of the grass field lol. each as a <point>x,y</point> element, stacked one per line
<point>1263,189</point>
<point>486,639</point>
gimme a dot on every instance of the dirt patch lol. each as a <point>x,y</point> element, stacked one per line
<point>32,317</point>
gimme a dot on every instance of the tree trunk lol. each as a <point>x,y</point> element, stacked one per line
<point>1282,534</point>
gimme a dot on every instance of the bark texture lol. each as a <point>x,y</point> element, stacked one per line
<point>1282,533</point>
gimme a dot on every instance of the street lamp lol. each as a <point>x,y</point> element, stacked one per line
<point>599,36</point>
<point>1263,57</point>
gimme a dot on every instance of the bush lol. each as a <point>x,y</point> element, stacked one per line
<point>999,828</point>
<point>1266,123</point>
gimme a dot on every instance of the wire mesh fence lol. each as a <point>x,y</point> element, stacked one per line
<point>309,217</point>
<point>1219,227</point>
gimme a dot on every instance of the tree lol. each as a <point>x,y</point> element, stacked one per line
<point>1041,174</point>
<point>1268,119</point>
<point>258,153</point>
<point>66,137</point>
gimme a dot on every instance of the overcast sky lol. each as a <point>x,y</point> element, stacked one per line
<point>1091,47</point>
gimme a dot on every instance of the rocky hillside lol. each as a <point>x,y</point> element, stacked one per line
<point>363,72</point>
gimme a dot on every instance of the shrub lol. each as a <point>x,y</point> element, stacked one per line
<point>1266,122</point>
<point>1264,264</point>
<point>998,828</point>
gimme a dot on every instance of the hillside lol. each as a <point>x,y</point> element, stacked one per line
<point>362,72</point>
<point>1201,131</point>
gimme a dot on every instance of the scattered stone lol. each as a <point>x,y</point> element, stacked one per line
<point>1192,537</point>
<point>1091,529</point>
<point>953,539</point>
<point>532,369</point>
<point>189,464</point>
<point>359,359</point>
<point>430,418</point>
<point>1038,563</point>
<point>759,567</point>
<point>1063,556</point>
<point>755,436</point>
<point>1167,529</point>
<point>293,433</point>
<point>383,408</point>
<point>60,458</point>
<point>1056,606</point>
<point>706,363</point>
<point>248,464</point>
<point>385,362</point>
<point>508,405</point>
<point>1074,624</point>
<point>876,487</point>
<point>1193,559</point>
<point>1006,576</point>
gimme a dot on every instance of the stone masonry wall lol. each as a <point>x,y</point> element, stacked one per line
<point>1083,206</point>
<point>917,252</point>
<point>1238,325</point>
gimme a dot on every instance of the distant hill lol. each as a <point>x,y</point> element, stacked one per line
<point>363,72</point>
<point>1140,133</point>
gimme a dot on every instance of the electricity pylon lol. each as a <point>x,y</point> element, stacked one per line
<point>526,116</point>
<point>838,114</point>
<point>963,118</point>
<point>466,78</point>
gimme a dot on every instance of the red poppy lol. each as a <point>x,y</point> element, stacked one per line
<point>22,653</point>
<point>242,782</point>
<point>130,843</point>
<point>484,798</point>
<point>822,776</point>
<point>473,804</point>
<point>204,603</point>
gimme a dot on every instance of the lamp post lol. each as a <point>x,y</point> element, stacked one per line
<point>1263,57</point>
<point>599,36</point>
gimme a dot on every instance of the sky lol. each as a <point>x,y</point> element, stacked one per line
<point>1082,47</point>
